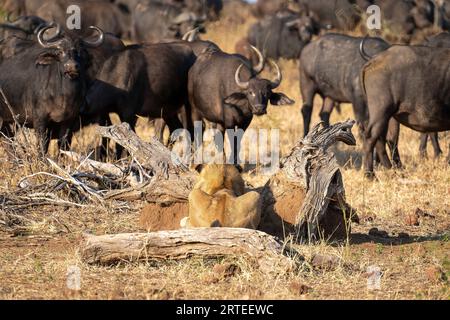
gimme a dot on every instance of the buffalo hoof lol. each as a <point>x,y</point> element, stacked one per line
<point>369,175</point>
<point>437,155</point>
<point>398,165</point>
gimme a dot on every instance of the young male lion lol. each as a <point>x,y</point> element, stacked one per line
<point>218,200</point>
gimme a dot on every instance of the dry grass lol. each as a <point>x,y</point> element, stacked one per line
<point>37,248</point>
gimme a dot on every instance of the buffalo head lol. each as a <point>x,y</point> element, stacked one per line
<point>185,22</point>
<point>305,26</point>
<point>66,50</point>
<point>26,24</point>
<point>258,92</point>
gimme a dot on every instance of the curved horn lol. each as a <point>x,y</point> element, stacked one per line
<point>275,84</point>
<point>47,43</point>
<point>57,33</point>
<point>183,17</point>
<point>362,52</point>
<point>260,66</point>
<point>292,23</point>
<point>190,35</point>
<point>241,84</point>
<point>99,41</point>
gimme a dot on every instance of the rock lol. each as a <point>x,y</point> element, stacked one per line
<point>225,270</point>
<point>299,288</point>
<point>325,262</point>
<point>435,274</point>
<point>412,219</point>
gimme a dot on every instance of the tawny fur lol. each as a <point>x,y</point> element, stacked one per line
<point>218,199</point>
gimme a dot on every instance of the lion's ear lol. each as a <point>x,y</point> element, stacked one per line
<point>199,167</point>
<point>239,168</point>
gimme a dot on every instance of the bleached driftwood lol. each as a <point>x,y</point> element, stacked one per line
<point>186,243</point>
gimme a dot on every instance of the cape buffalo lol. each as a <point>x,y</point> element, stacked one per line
<point>101,13</point>
<point>225,90</point>
<point>146,80</point>
<point>154,21</point>
<point>264,8</point>
<point>283,35</point>
<point>44,86</point>
<point>197,46</point>
<point>23,26</point>
<point>411,84</point>
<point>330,67</point>
<point>337,14</point>
<point>441,40</point>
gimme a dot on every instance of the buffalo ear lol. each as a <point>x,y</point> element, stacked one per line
<point>46,58</point>
<point>279,99</point>
<point>235,98</point>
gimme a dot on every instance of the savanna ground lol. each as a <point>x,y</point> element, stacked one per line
<point>410,209</point>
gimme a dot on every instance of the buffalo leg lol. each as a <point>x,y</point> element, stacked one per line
<point>173,123</point>
<point>235,142</point>
<point>308,91</point>
<point>160,125</point>
<point>361,114</point>
<point>101,151</point>
<point>435,143</point>
<point>392,141</point>
<point>43,135</point>
<point>423,145</point>
<point>325,112</point>
<point>65,136</point>
<point>377,128</point>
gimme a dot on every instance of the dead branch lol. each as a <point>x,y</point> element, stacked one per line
<point>116,172</point>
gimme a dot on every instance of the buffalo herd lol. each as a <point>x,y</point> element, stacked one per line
<point>56,79</point>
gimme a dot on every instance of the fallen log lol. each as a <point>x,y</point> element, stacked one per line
<point>207,243</point>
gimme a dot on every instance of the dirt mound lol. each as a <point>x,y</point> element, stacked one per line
<point>157,217</point>
<point>281,204</point>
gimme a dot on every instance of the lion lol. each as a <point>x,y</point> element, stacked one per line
<point>218,199</point>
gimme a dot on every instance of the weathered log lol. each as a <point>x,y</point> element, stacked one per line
<point>208,243</point>
<point>151,155</point>
<point>172,180</point>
